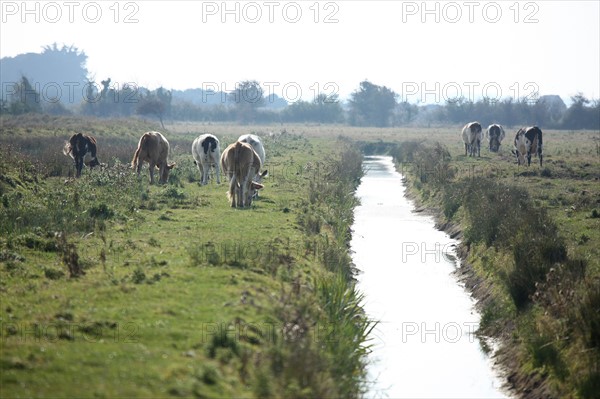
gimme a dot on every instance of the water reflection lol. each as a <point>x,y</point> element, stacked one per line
<point>424,344</point>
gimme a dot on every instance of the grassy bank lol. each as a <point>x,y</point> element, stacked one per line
<point>530,244</point>
<point>112,287</point>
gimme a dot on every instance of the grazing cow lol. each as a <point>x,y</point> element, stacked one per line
<point>241,163</point>
<point>154,149</point>
<point>472,135</point>
<point>258,147</point>
<point>82,148</point>
<point>207,153</point>
<point>495,135</point>
<point>528,141</point>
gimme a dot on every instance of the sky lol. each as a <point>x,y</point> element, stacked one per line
<point>426,51</point>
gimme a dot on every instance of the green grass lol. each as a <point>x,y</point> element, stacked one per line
<point>112,287</point>
<point>183,296</point>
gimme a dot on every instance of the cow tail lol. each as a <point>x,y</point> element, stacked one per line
<point>236,160</point>
<point>137,152</point>
<point>67,148</point>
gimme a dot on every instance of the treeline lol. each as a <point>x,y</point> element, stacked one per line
<point>369,105</point>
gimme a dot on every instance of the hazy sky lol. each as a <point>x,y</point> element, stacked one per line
<point>424,51</point>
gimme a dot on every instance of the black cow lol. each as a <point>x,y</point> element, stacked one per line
<point>79,147</point>
<point>495,135</point>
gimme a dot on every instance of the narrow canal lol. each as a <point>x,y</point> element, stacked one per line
<point>424,345</point>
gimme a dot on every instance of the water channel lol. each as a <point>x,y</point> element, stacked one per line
<point>424,345</point>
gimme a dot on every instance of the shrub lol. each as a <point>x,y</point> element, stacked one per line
<point>101,211</point>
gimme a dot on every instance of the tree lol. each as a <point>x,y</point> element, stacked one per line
<point>247,97</point>
<point>157,103</point>
<point>372,105</point>
<point>327,108</point>
<point>24,99</point>
<point>581,116</point>
<point>405,113</point>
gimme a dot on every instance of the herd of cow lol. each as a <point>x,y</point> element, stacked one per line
<point>528,141</point>
<point>241,161</point>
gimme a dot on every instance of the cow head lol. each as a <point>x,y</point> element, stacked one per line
<point>92,163</point>
<point>253,191</point>
<point>494,143</point>
<point>164,178</point>
<point>260,176</point>
<point>521,146</point>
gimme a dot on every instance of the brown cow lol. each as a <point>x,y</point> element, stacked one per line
<point>154,149</point>
<point>241,163</point>
<point>79,147</point>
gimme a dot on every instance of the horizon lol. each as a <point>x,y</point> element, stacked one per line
<point>425,52</point>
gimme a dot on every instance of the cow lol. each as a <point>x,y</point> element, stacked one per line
<point>207,153</point>
<point>528,141</point>
<point>495,135</point>
<point>258,147</point>
<point>82,148</point>
<point>472,135</point>
<point>154,149</point>
<point>241,163</point>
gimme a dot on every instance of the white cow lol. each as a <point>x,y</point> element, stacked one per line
<point>472,135</point>
<point>258,147</point>
<point>207,153</point>
<point>528,141</point>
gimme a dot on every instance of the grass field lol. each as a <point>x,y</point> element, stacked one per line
<point>177,294</point>
<point>112,287</point>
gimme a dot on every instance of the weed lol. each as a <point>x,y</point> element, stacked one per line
<point>53,274</point>
<point>101,211</point>
<point>69,254</point>
<point>138,276</point>
<point>222,338</point>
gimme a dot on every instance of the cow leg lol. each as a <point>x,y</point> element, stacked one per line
<point>199,166</point>
<point>232,190</point>
<point>162,170</point>
<point>218,171</point>
<point>541,156</point>
<point>151,166</point>
<point>466,149</point>
<point>528,159</point>
<point>478,149</point>
<point>78,166</point>
<point>204,171</point>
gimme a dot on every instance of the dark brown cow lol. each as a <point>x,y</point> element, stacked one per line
<point>495,135</point>
<point>241,163</point>
<point>79,147</point>
<point>154,149</point>
<point>528,141</point>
